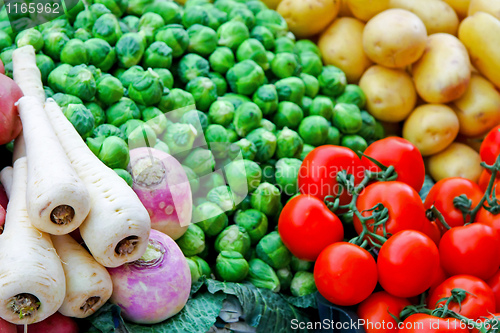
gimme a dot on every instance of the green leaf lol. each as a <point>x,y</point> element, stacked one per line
<point>106,319</point>
<point>304,302</point>
<point>426,187</point>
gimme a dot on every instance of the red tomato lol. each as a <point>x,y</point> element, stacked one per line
<point>406,211</point>
<point>2,68</point>
<point>490,147</point>
<point>431,229</point>
<point>307,226</point>
<point>472,249</point>
<point>405,263</point>
<point>423,323</point>
<point>485,217</point>
<point>318,172</point>
<point>378,308</point>
<point>487,323</point>
<point>480,300</point>
<point>442,194</point>
<point>345,274</point>
<point>484,180</point>
<point>439,277</point>
<point>10,123</point>
<point>494,283</point>
<point>401,154</point>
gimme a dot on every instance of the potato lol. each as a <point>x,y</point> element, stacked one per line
<point>443,72</point>
<point>474,143</point>
<point>390,94</point>
<point>366,9</point>
<point>344,10</point>
<point>460,6</point>
<point>395,38</point>
<point>437,15</point>
<point>306,18</point>
<point>458,160</point>
<point>478,110</point>
<point>431,128</point>
<point>480,33</point>
<point>488,6</point>
<point>341,45</point>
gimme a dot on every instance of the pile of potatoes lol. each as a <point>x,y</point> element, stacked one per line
<point>430,68</point>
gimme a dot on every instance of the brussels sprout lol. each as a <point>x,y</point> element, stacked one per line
<point>289,144</point>
<point>355,142</point>
<point>155,119</point>
<point>224,198</point>
<point>114,153</point>
<point>306,150</point>
<point>273,21</point>
<point>130,125</point>
<point>310,63</point>
<point>195,15</point>
<point>200,160</point>
<point>200,266</point>
<point>176,103</point>
<point>254,222</point>
<point>232,136</point>
<point>231,266</point>
<point>169,11</point>
<point>107,28</point>
<point>197,119</point>
<point>285,277</point>
<point>245,77</point>
<point>216,137</point>
<point>192,66</point>
<point>100,53</point>
<point>142,136</point>
<point>285,64</point>
<point>268,125</point>
<point>125,109</point>
<point>244,15</point>
<point>284,44</point>
<point>5,39</point>
<point>204,92</point>
<point>353,95</point>
<point>256,6</point>
<point>165,76</point>
<point>107,130</point>
<point>291,89</point>
<point>347,118</point>
<point>287,172</point>
<point>265,142</point>
<point>175,37</point>
<point>314,130</point>
<point>64,100</point>
<point>243,176</point>
<point>332,81</point>
<point>131,75</point>
<point>148,90</point>
<point>149,23</point>
<point>271,250</point>
<point>158,55</point>
<point>130,49</point>
<point>232,34</point>
<point>311,83</point>
<point>46,65</point>
<point>109,89</point>
<point>81,118</point>
<point>298,265</point>
<point>85,20</point>
<point>289,115</point>
<point>379,132</point>
<point>266,98</point>
<point>125,175</point>
<point>246,148</point>
<point>303,284</point>
<point>252,49</point>
<point>97,112</point>
<point>193,241</point>
<point>59,24</point>
<point>137,7</point>
<point>220,83</point>
<point>194,270</point>
<point>79,82</point>
<point>227,5</point>
<point>95,144</point>
<point>83,35</point>
<point>48,92</point>
<point>215,17</point>
<point>211,218</point>
<point>179,138</point>
<point>263,35</point>
<point>202,40</point>
<point>233,238</point>
<point>333,136</point>
<point>194,181</point>
<point>162,146</point>
<point>117,7</point>
<point>30,37</point>
<point>211,181</point>
<point>322,106</point>
<point>247,117</point>
<point>58,77</point>
<point>53,43</point>
<point>369,126</point>
<point>222,59</point>
<point>266,199</point>
<point>306,105</point>
<point>262,275</point>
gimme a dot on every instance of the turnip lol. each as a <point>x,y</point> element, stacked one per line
<point>6,327</point>
<point>3,197</point>
<point>10,123</point>
<point>57,323</point>
<point>163,187</point>
<point>155,287</point>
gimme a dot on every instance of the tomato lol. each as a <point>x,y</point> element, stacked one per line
<point>406,210</point>
<point>479,300</point>
<point>490,147</point>
<point>345,274</point>
<point>424,323</point>
<point>472,249</point>
<point>442,194</point>
<point>431,229</point>
<point>10,123</point>
<point>318,172</point>
<point>378,308</point>
<point>2,68</point>
<point>405,262</point>
<point>494,283</point>
<point>401,154</point>
<point>307,226</point>
<point>488,324</point>
<point>484,180</point>
<point>439,277</point>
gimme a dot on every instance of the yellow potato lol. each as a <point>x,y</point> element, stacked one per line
<point>480,33</point>
<point>341,45</point>
<point>431,128</point>
<point>308,17</point>
<point>390,94</point>
<point>488,6</point>
<point>460,6</point>
<point>443,72</point>
<point>394,38</point>
<point>271,4</point>
<point>366,9</point>
<point>344,10</point>
<point>458,160</point>
<point>478,110</point>
<point>437,15</point>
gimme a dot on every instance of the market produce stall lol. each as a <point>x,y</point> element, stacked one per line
<point>249,166</point>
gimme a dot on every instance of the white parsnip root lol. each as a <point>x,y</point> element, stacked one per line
<point>32,281</point>
<point>26,73</point>
<point>116,231</point>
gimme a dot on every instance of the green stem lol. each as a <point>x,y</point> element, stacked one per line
<point>436,214</point>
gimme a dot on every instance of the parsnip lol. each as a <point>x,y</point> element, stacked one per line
<point>26,73</point>
<point>32,282</point>
<point>117,228</point>
<point>6,178</point>
<point>19,148</point>
<point>88,284</point>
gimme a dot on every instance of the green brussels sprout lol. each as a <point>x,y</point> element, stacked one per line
<point>306,105</point>
<point>201,161</point>
<point>216,17</point>
<point>379,131</point>
<point>114,153</point>
<point>333,136</point>
<point>107,130</point>
<point>202,267</point>
<point>210,182</point>
<point>107,28</point>
<point>236,99</point>
<point>96,72</point>
<point>273,21</point>
<point>100,53</point>
<point>332,81</point>
<point>176,103</point>
<point>254,222</point>
<point>165,76</point>
<point>289,115</point>
<point>243,176</point>
<point>287,172</point>
<point>130,125</point>
<point>83,35</point>
<point>175,37</point>
<point>353,95</point>
<point>220,83</point>
<point>285,64</point>
<point>303,284</point>
<point>222,59</point>
<point>285,277</point>
<point>125,109</point>
<point>284,45</point>
<point>204,92</point>
<point>142,136</point>
<point>265,142</point>
<point>246,148</point>
<point>244,15</point>
<point>210,218</point>
<point>202,40</point>
<point>232,136</point>
<point>125,175</point>
<point>137,7</point>
<point>271,250</point>
<point>247,117</point>
<point>155,119</point>
<point>194,270</point>
<point>310,63</point>
<point>158,55</point>
<point>369,126</point>
<point>63,100</point>
<point>131,75</point>
<point>148,90</point>
<point>268,125</point>
<point>263,35</point>
<point>347,118</point>
<point>256,6</point>
<point>194,182</point>
<point>298,265</point>
<point>85,20</point>
<point>80,82</point>
<point>216,137</point>
<point>192,66</point>
<point>179,138</point>
<point>48,92</point>
<point>291,89</point>
<point>224,198</point>
<point>53,43</point>
<point>266,98</point>
<point>311,83</point>
<point>227,5</point>
<point>197,119</point>
<point>289,144</point>
<point>58,77</point>
<point>81,118</point>
<point>253,49</point>
<point>306,150</point>
<point>195,15</point>
<point>170,11</point>
<point>162,146</point>
<point>306,45</point>
<point>268,172</point>
<point>150,22</point>
<point>322,106</point>
<point>232,34</point>
<point>97,112</point>
<point>109,89</point>
<point>314,130</point>
<point>245,77</point>
<point>262,275</point>
<point>130,49</point>
<point>266,199</point>
<point>233,238</point>
<point>95,144</point>
<point>231,266</point>
<point>59,24</point>
<point>46,65</point>
<point>355,142</point>
<point>193,241</point>
<point>30,37</point>
<point>117,7</point>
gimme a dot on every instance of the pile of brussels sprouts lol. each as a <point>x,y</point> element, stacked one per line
<point>217,85</point>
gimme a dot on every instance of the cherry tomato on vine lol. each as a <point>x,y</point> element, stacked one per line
<point>439,277</point>
<point>401,154</point>
<point>377,308</point>
<point>432,230</point>
<point>424,323</point>
<point>307,226</point>
<point>494,283</point>
<point>472,249</point>
<point>490,147</point>
<point>479,300</point>
<point>484,180</point>
<point>405,262</point>
<point>318,172</point>
<point>345,274</point>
